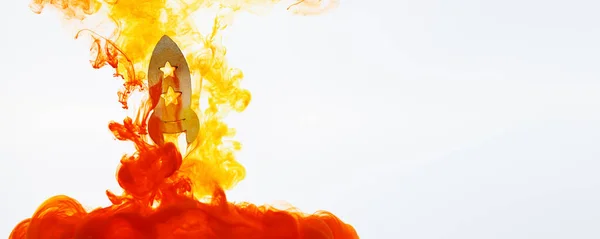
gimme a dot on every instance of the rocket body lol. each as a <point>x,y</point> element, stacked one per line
<point>169,80</point>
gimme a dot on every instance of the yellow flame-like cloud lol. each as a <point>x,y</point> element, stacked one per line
<point>138,25</point>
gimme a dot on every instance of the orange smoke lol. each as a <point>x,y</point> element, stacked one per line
<point>173,191</point>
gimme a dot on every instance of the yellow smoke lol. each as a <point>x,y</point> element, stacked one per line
<point>139,24</point>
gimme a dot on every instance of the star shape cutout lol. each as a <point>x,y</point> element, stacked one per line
<point>168,70</point>
<point>170,97</point>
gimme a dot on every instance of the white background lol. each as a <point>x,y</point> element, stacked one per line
<point>407,119</point>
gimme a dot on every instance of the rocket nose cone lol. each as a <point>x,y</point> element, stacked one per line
<point>166,44</point>
<point>165,40</point>
<point>166,50</point>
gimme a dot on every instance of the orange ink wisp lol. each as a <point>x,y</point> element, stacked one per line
<point>173,191</point>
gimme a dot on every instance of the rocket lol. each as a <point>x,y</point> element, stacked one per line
<point>170,86</point>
